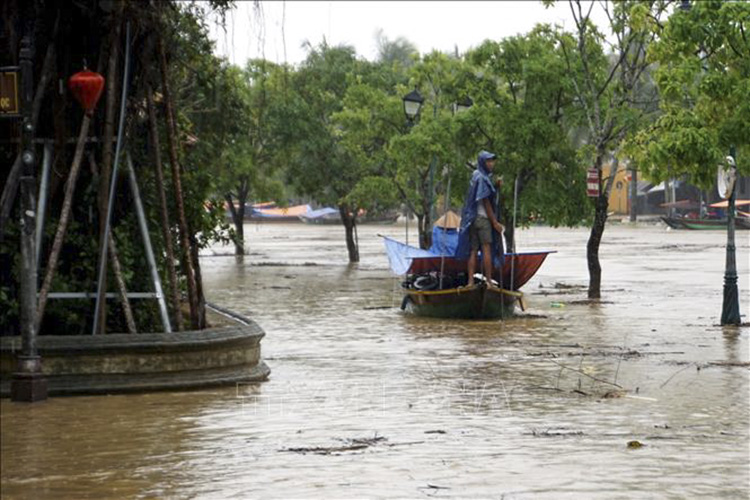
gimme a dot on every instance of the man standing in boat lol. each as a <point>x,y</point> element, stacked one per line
<point>478,220</point>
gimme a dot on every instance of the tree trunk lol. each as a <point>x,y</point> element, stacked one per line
<point>174,290</point>
<point>350,222</point>
<point>592,247</point>
<point>597,229</point>
<point>421,232</point>
<point>177,182</point>
<point>105,172</point>
<point>238,219</point>
<point>62,226</point>
<point>198,283</point>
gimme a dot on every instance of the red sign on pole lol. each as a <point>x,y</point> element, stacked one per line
<point>592,182</point>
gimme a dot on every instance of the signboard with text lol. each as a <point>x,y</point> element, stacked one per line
<point>592,182</point>
<point>9,102</point>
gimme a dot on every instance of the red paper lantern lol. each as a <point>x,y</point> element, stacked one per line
<point>86,86</point>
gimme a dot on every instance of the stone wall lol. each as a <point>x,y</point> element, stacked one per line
<point>102,364</point>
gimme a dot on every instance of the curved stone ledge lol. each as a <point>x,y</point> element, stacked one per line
<point>97,364</point>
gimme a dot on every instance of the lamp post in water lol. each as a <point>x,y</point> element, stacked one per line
<point>730,309</point>
<point>28,383</point>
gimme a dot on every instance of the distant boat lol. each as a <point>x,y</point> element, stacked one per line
<point>325,215</point>
<point>330,215</point>
<point>435,281</point>
<point>741,221</point>
<point>288,214</point>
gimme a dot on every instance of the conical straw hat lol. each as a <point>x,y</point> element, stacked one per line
<point>449,220</point>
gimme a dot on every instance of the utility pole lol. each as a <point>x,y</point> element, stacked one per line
<point>28,384</point>
<point>730,308</point>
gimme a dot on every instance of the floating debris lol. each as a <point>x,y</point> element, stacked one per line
<point>355,444</point>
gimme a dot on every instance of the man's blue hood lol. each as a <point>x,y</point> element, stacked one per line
<point>482,161</point>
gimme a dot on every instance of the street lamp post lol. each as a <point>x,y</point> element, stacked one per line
<point>28,383</point>
<point>412,106</point>
<point>730,309</point>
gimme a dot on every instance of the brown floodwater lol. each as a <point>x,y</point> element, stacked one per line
<point>366,401</point>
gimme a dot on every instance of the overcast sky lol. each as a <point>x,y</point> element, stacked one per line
<point>278,30</point>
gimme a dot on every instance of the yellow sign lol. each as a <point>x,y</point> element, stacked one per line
<point>9,93</point>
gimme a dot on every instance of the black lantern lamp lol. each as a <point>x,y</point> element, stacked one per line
<point>412,104</point>
<point>462,105</point>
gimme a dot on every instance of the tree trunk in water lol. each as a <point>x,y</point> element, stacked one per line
<point>597,229</point>
<point>238,219</point>
<point>195,313</point>
<point>592,248</point>
<point>105,172</point>
<point>424,225</point>
<point>350,221</point>
<point>62,226</point>
<point>174,290</point>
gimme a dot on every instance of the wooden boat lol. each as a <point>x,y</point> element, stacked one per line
<point>480,301</point>
<point>740,222</point>
<point>435,285</point>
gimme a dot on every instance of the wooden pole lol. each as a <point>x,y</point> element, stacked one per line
<point>177,183</point>
<point>117,270</point>
<point>62,225</point>
<point>105,172</point>
<point>116,267</point>
<point>164,213</point>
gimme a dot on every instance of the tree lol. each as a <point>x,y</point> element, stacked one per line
<point>606,90</point>
<point>316,164</point>
<point>703,77</point>
<point>188,52</point>
<point>523,100</point>
<point>244,146</point>
<point>418,157</point>
<point>399,52</point>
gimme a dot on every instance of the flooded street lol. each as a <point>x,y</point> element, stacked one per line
<point>366,401</point>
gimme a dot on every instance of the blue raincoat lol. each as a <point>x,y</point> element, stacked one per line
<point>480,188</point>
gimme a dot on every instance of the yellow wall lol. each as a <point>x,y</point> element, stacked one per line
<point>618,198</point>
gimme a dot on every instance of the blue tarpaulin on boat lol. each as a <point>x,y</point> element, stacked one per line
<point>444,241</point>
<point>321,212</point>
<point>400,255</point>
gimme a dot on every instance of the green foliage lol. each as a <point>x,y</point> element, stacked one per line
<point>316,163</point>
<point>523,111</point>
<point>703,76</point>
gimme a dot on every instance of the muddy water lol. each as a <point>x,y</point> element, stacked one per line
<point>364,401</point>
